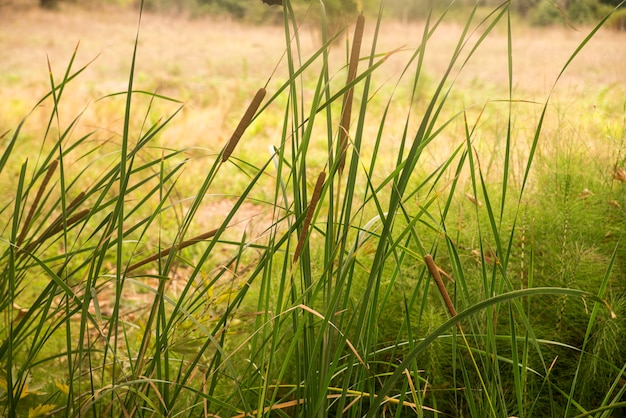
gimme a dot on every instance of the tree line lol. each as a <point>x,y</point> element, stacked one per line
<point>539,12</point>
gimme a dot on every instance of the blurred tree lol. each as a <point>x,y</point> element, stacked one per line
<point>581,11</point>
<point>340,6</point>
<point>612,2</point>
<point>48,4</point>
<point>234,8</point>
<point>408,10</point>
<point>523,7</point>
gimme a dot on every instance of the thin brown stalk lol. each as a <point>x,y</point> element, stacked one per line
<point>51,169</point>
<point>317,193</point>
<point>75,202</point>
<point>344,127</point>
<point>434,271</point>
<point>57,226</point>
<point>70,208</point>
<point>349,394</point>
<point>412,387</point>
<point>243,123</point>
<point>205,401</point>
<point>166,251</point>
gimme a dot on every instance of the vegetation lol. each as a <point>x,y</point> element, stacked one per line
<point>538,12</point>
<point>420,240</point>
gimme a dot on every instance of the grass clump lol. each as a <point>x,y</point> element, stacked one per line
<point>117,299</point>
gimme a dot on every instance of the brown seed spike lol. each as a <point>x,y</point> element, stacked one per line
<point>51,169</point>
<point>317,193</point>
<point>243,123</point>
<point>273,2</point>
<point>344,127</point>
<point>75,202</point>
<point>434,271</point>
<point>57,226</point>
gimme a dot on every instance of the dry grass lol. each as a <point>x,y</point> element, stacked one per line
<point>212,63</point>
<point>216,66</point>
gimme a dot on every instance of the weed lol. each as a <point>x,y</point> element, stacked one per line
<point>118,299</point>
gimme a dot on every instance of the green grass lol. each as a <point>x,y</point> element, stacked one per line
<point>120,298</point>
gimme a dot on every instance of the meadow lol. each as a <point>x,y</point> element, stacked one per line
<point>201,217</point>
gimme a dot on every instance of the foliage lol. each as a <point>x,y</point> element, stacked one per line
<point>390,278</point>
<point>613,2</point>
<point>582,11</point>
<point>571,12</point>
<point>544,13</point>
<point>48,4</point>
<point>617,21</point>
<point>540,12</point>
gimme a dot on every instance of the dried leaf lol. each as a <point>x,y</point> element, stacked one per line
<point>41,410</point>
<point>615,203</point>
<point>619,174</point>
<point>489,255</point>
<point>473,199</point>
<point>585,194</point>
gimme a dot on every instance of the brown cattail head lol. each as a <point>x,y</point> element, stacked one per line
<point>434,271</point>
<point>344,127</point>
<point>356,45</point>
<point>51,169</point>
<point>243,123</point>
<point>56,227</point>
<point>317,193</point>
<point>75,201</point>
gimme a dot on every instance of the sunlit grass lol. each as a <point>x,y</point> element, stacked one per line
<point>166,251</point>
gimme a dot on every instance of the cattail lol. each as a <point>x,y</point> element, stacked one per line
<point>317,193</point>
<point>344,126</point>
<point>57,226</point>
<point>166,251</point>
<point>70,208</point>
<point>434,271</point>
<point>243,124</point>
<point>75,202</point>
<point>51,169</point>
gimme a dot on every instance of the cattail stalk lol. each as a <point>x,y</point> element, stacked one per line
<point>57,226</point>
<point>243,123</point>
<point>51,169</point>
<point>434,271</point>
<point>344,126</point>
<point>166,251</point>
<point>75,202</point>
<point>317,193</point>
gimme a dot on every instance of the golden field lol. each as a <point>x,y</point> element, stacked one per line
<point>439,173</point>
<point>214,66</point>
